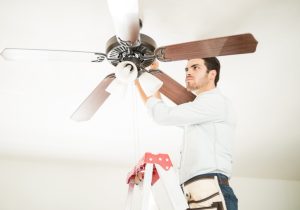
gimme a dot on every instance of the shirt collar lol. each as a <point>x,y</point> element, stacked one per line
<point>214,90</point>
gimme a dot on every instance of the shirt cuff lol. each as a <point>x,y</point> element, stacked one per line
<point>151,102</point>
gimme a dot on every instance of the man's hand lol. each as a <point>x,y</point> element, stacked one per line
<point>138,178</point>
<point>142,93</point>
<point>154,65</point>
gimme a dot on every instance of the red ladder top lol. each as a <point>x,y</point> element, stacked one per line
<point>162,159</point>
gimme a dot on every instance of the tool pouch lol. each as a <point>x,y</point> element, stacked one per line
<point>204,194</point>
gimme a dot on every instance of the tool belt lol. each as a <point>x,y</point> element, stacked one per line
<point>203,192</point>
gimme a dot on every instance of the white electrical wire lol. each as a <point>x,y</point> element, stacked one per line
<point>135,128</point>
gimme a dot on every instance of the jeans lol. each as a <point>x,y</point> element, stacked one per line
<point>229,196</point>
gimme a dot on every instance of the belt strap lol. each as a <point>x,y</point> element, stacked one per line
<point>221,180</point>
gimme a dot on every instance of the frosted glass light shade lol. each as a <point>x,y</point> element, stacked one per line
<point>126,71</point>
<point>149,83</point>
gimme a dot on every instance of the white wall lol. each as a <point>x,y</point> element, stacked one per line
<point>60,185</point>
<point>28,184</point>
<point>263,194</point>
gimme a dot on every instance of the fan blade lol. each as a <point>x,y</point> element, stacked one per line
<point>92,103</point>
<point>51,55</point>
<point>172,89</point>
<point>125,15</point>
<point>229,45</point>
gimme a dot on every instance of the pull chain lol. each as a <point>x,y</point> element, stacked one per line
<point>135,129</point>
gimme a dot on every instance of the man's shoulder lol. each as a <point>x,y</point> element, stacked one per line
<point>213,94</point>
<point>212,99</point>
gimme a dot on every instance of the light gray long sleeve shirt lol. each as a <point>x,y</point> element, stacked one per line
<point>209,124</point>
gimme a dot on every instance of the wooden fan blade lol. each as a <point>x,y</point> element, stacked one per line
<point>125,15</point>
<point>172,89</point>
<point>16,54</point>
<point>92,103</point>
<point>229,45</point>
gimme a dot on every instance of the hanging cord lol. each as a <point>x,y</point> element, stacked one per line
<point>135,128</point>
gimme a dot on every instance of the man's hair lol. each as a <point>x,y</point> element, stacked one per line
<point>213,63</point>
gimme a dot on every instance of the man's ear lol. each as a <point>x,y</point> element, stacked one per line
<point>212,74</point>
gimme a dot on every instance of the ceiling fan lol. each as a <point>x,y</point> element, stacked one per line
<point>131,52</point>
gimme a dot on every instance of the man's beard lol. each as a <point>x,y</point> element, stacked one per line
<point>191,87</point>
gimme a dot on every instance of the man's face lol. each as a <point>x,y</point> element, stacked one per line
<point>196,75</point>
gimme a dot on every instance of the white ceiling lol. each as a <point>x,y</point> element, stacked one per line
<point>36,99</point>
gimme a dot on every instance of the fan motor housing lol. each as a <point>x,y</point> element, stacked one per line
<point>141,56</point>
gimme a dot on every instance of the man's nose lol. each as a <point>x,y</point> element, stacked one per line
<point>188,73</point>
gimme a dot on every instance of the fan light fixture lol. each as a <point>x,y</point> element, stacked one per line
<point>126,72</point>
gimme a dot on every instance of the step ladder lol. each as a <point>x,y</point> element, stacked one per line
<point>154,169</point>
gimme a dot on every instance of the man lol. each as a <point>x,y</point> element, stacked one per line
<point>209,124</point>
